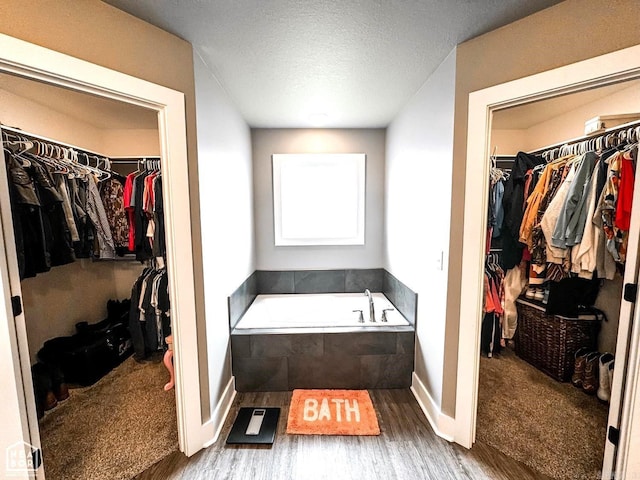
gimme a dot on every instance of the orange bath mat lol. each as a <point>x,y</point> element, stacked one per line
<point>332,412</point>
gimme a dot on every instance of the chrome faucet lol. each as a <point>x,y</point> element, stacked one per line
<point>372,312</point>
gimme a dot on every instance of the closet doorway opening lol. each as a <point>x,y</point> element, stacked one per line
<point>485,107</point>
<point>22,62</point>
<point>557,422</point>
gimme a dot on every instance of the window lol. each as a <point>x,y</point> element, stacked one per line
<point>318,199</point>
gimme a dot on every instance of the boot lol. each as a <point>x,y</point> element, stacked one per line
<point>43,390</point>
<point>590,382</point>
<point>578,369</point>
<point>58,385</point>
<point>604,390</point>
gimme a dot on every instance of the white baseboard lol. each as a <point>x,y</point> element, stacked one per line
<point>442,424</point>
<point>219,415</point>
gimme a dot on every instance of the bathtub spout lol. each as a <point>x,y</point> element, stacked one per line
<point>372,312</point>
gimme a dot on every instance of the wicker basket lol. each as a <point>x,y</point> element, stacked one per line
<point>549,342</point>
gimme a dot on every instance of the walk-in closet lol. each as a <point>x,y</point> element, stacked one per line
<point>85,185</point>
<point>560,196</point>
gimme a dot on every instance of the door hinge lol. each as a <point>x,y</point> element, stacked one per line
<point>37,458</point>
<point>631,292</point>
<point>614,435</point>
<point>16,305</point>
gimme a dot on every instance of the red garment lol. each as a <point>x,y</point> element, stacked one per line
<point>625,195</point>
<point>128,192</point>
<point>489,306</point>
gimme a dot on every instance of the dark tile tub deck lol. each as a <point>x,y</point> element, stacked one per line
<point>323,357</point>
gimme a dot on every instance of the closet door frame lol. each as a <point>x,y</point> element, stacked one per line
<point>38,63</point>
<point>598,71</point>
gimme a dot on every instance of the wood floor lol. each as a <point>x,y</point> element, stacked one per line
<point>406,449</point>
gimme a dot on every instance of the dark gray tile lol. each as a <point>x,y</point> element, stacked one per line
<point>358,280</point>
<point>334,371</point>
<point>241,346</point>
<point>273,282</point>
<point>264,346</point>
<point>308,344</point>
<point>241,299</point>
<point>387,371</point>
<point>360,343</point>
<point>260,374</point>
<point>406,342</point>
<point>319,281</point>
<point>402,297</point>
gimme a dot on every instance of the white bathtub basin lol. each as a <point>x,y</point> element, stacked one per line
<point>317,310</point>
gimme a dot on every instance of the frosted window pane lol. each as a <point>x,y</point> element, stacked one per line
<point>319,199</point>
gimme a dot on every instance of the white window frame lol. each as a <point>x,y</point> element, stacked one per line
<point>295,206</point>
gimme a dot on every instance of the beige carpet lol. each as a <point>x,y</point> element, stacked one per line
<point>114,429</point>
<point>553,427</point>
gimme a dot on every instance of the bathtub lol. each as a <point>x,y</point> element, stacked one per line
<point>318,310</point>
<point>284,342</point>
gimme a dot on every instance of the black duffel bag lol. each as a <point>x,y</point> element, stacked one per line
<point>83,360</point>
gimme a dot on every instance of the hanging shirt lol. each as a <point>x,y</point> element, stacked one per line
<point>571,220</point>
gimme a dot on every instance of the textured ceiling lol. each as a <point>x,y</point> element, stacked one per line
<point>357,61</point>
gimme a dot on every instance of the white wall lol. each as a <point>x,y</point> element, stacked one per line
<point>571,124</point>
<point>32,117</point>
<point>266,142</point>
<point>508,142</point>
<point>131,142</point>
<point>418,189</point>
<point>226,210</point>
<point>565,126</point>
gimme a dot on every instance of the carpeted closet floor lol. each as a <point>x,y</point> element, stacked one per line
<point>553,427</point>
<point>114,429</point>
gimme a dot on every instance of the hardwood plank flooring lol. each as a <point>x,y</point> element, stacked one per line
<point>406,449</point>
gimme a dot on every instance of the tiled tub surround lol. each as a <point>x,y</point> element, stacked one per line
<point>269,359</point>
<point>322,281</point>
<point>338,357</point>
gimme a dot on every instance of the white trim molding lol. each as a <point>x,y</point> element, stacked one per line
<point>599,71</point>
<point>443,425</point>
<point>221,412</point>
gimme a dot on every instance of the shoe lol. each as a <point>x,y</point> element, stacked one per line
<point>604,389</point>
<point>578,369</point>
<point>590,381</point>
<point>530,293</point>
<point>43,389</point>
<point>538,294</point>
<point>58,385</point>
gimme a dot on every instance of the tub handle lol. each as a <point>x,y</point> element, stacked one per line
<point>360,317</point>
<point>384,314</point>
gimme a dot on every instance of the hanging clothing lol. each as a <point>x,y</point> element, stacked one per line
<point>112,194</point>
<point>149,315</point>
<point>513,204</point>
<point>571,220</point>
<point>97,214</point>
<point>515,282</point>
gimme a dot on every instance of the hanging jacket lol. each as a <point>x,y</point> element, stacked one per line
<point>513,205</point>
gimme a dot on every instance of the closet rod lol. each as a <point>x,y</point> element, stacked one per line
<point>608,131</point>
<point>126,160</point>
<point>19,131</point>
